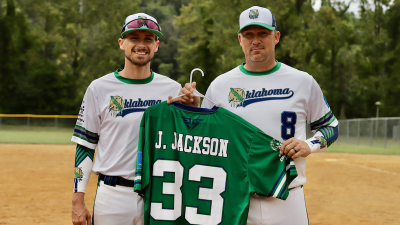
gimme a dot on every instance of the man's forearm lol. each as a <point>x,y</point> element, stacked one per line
<point>323,138</point>
<point>83,167</point>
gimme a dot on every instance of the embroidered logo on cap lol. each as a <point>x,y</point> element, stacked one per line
<point>142,17</point>
<point>253,14</point>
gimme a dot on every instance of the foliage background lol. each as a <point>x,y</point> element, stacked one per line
<point>51,50</point>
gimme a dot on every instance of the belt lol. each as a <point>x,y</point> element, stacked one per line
<point>112,181</point>
<point>295,187</point>
<point>263,196</point>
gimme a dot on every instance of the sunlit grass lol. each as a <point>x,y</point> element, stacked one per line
<point>361,149</point>
<point>41,136</point>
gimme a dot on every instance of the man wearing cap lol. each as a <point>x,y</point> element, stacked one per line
<point>109,119</point>
<point>278,99</point>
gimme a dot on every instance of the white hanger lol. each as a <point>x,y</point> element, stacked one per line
<point>195,92</point>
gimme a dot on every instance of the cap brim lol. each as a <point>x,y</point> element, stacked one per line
<point>258,24</point>
<point>156,32</point>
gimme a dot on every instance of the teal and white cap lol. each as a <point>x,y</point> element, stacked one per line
<point>141,21</point>
<point>259,16</point>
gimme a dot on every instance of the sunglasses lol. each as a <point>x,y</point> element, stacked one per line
<point>134,24</point>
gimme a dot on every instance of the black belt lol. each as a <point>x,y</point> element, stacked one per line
<point>263,196</point>
<point>112,181</point>
<point>295,187</point>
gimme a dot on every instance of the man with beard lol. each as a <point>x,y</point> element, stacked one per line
<point>109,119</point>
<point>278,99</point>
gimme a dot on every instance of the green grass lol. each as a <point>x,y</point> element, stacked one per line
<point>345,148</point>
<point>375,142</point>
<point>52,136</point>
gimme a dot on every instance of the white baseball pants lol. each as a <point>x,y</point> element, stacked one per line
<point>273,211</point>
<point>117,205</point>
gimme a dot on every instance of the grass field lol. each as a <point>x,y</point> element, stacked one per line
<point>52,135</point>
<point>344,148</point>
<point>375,142</point>
<point>36,135</point>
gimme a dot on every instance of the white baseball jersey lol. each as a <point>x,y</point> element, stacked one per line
<point>110,116</point>
<point>280,102</point>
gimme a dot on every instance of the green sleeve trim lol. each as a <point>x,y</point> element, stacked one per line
<point>322,118</point>
<point>85,139</point>
<point>331,121</point>
<point>77,126</point>
<point>82,133</point>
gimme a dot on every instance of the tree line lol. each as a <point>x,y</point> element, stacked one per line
<point>51,50</point>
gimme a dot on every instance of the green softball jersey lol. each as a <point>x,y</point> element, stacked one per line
<point>200,166</point>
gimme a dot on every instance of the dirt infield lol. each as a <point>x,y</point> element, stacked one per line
<point>37,181</point>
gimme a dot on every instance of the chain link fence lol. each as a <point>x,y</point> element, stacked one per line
<point>373,132</point>
<point>36,122</point>
<point>36,129</point>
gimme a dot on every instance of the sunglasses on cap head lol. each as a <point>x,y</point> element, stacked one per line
<point>138,23</point>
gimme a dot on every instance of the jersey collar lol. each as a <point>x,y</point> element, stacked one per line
<point>253,73</point>
<point>195,109</point>
<point>133,81</point>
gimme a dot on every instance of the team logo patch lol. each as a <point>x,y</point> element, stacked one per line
<point>236,96</point>
<point>78,174</point>
<point>191,123</point>
<point>275,145</point>
<point>122,107</point>
<point>253,14</point>
<point>322,141</point>
<point>116,107</point>
<point>239,97</point>
<point>142,17</point>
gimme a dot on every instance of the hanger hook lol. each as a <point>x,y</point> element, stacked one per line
<point>191,74</point>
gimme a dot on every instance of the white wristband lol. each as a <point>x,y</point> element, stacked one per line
<point>314,144</point>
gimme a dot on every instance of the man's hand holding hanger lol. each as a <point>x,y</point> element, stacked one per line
<point>186,96</point>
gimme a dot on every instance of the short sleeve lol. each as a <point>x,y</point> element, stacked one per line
<point>88,122</point>
<point>319,113</point>
<point>206,103</point>
<point>269,174</point>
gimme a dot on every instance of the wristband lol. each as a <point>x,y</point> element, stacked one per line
<point>316,144</point>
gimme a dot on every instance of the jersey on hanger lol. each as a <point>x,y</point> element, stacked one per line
<point>200,166</point>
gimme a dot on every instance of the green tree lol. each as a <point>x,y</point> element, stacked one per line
<point>50,51</point>
<point>14,45</point>
<point>102,27</point>
<point>392,83</point>
<point>50,80</point>
<point>165,61</point>
<point>373,58</point>
<point>208,39</point>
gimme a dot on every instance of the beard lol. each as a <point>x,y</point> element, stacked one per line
<point>260,57</point>
<point>139,62</point>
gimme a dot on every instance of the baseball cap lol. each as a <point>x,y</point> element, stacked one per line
<point>257,15</point>
<point>141,21</point>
